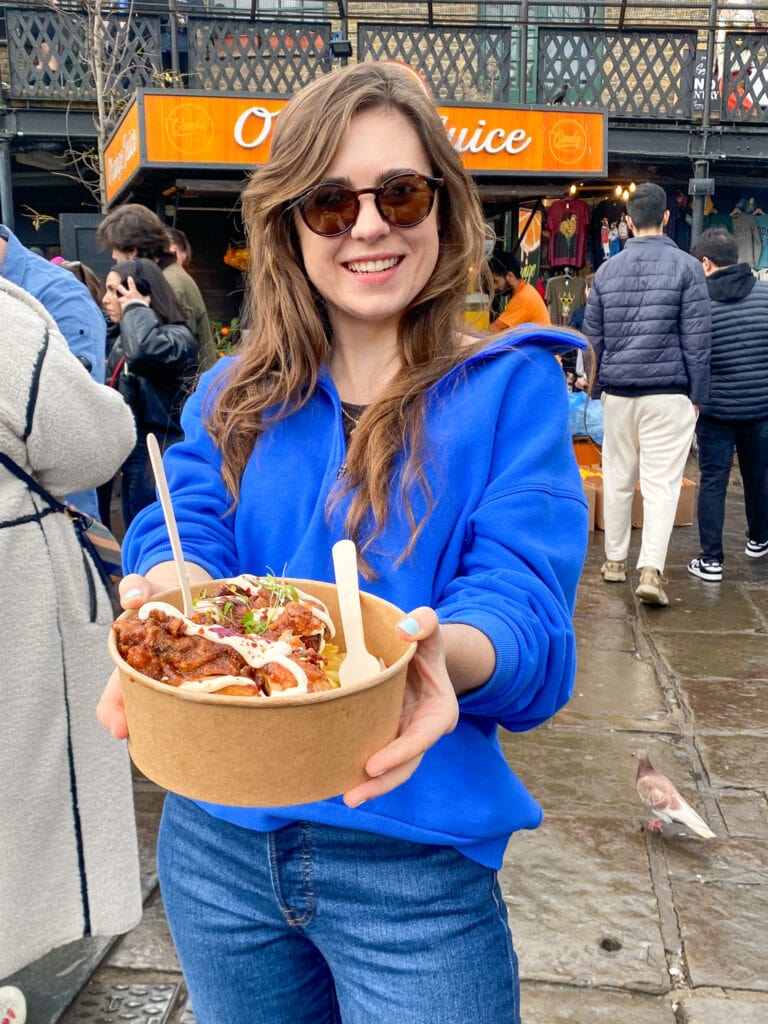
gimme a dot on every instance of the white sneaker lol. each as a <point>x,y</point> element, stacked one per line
<point>706,569</point>
<point>13,1005</point>
<point>756,549</point>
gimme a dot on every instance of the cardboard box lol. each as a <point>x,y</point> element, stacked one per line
<point>590,493</point>
<point>592,478</point>
<point>686,505</point>
<point>588,452</point>
<point>268,751</point>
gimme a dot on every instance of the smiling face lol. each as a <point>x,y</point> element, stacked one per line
<point>371,274</point>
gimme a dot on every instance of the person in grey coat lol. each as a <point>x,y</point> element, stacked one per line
<point>735,416</point>
<point>648,319</point>
<point>68,852</point>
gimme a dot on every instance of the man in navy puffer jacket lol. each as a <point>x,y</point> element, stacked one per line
<point>648,319</point>
<point>735,416</point>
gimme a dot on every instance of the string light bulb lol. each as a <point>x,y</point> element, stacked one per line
<point>572,190</point>
<point>618,190</point>
<point>632,186</point>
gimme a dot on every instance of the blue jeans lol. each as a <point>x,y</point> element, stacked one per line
<point>717,442</point>
<point>312,924</point>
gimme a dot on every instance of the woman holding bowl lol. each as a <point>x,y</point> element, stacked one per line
<point>358,407</point>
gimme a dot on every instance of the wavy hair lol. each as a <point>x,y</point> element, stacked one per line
<point>288,332</point>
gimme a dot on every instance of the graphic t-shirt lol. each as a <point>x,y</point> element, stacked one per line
<point>610,211</point>
<point>564,295</point>
<point>567,220</point>
<point>762,229</point>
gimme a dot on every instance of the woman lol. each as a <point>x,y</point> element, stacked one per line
<point>68,854</point>
<point>152,362</point>
<point>358,408</point>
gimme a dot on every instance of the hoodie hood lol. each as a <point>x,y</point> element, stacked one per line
<point>731,284</point>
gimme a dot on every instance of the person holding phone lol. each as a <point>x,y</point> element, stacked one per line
<point>152,362</point>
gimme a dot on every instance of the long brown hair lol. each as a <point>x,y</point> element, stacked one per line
<point>288,335</point>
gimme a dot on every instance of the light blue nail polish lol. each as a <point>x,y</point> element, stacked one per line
<point>409,626</point>
<point>130,594</point>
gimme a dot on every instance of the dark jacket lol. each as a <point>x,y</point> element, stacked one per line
<point>738,377</point>
<point>154,366</point>
<point>648,319</point>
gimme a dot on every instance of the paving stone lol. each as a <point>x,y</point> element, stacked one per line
<point>604,635</point>
<point>550,1004</point>
<point>745,813</point>
<point>594,924</point>
<point>719,1009</point>
<point>146,829</point>
<point>734,705</point>
<point>605,600</point>
<point>707,607</point>
<point>619,689</point>
<point>737,861</point>
<point>723,926</point>
<point>149,946</point>
<point>559,766</point>
<point>713,655</point>
<point>735,761</point>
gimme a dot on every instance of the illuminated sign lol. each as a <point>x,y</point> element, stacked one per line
<point>200,131</point>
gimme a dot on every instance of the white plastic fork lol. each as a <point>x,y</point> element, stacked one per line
<point>359,664</point>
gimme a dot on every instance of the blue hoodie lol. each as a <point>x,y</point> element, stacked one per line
<point>502,551</point>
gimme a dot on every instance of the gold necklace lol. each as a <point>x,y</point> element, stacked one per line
<point>350,417</point>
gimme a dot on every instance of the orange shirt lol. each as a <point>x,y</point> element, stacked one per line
<point>525,306</point>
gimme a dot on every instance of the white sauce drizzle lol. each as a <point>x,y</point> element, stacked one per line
<point>254,649</point>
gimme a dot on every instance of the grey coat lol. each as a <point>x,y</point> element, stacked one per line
<point>68,851</point>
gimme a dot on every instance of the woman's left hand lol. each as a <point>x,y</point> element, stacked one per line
<point>430,710</point>
<point>128,293</point>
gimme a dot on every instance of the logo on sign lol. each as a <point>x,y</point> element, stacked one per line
<point>568,140</point>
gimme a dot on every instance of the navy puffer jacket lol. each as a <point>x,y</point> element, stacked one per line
<point>648,319</point>
<point>739,382</point>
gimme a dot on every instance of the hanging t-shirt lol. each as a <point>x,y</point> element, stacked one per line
<point>567,221</point>
<point>719,220</point>
<point>747,237</point>
<point>564,294</point>
<point>762,228</point>
<point>610,211</point>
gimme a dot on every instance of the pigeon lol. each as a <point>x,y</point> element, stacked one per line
<point>659,793</point>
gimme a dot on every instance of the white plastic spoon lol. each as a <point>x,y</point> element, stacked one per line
<point>358,665</point>
<point>161,483</point>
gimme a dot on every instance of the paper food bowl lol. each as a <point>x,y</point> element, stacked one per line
<point>268,751</point>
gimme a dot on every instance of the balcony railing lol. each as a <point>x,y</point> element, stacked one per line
<point>648,62</point>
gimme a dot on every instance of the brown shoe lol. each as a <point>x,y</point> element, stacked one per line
<point>649,590</point>
<point>614,572</point>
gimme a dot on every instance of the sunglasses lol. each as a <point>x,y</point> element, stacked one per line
<point>404,200</point>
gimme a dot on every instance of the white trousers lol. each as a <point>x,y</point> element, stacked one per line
<point>647,439</point>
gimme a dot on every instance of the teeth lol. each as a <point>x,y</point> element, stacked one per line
<point>373,266</point>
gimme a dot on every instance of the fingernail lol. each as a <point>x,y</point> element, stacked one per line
<point>130,594</point>
<point>409,626</point>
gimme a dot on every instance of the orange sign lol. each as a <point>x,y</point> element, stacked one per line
<point>210,132</point>
<point>122,156</point>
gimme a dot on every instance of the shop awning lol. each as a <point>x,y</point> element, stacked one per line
<point>198,131</point>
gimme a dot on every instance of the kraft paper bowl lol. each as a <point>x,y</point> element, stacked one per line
<point>268,751</point>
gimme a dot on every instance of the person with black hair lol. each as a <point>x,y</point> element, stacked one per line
<point>524,304</point>
<point>735,416</point>
<point>152,363</point>
<point>648,320</point>
<point>133,231</point>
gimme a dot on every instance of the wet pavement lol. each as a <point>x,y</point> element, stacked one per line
<point>611,923</point>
